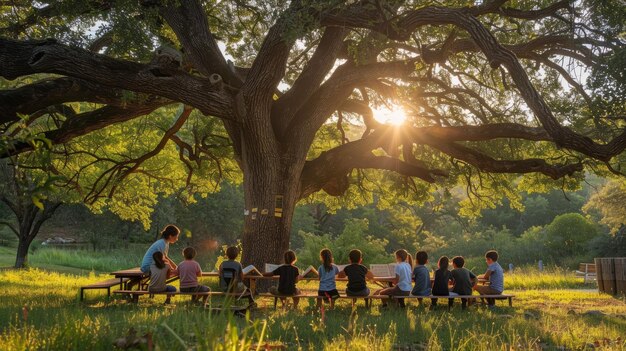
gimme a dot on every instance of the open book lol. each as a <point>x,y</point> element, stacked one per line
<point>383,270</point>
<point>251,270</point>
<point>342,267</point>
<point>271,267</point>
<point>310,272</point>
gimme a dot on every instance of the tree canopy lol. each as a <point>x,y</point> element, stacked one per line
<point>289,92</point>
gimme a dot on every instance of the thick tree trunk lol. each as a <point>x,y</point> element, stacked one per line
<point>22,252</point>
<point>267,230</point>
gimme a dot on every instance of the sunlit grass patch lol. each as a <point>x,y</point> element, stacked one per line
<point>540,319</point>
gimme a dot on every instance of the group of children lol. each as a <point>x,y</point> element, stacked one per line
<point>456,282</point>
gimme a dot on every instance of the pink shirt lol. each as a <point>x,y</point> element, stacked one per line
<point>188,271</point>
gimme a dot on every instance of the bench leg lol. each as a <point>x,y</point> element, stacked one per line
<point>510,302</point>
<point>275,302</point>
<point>82,294</point>
<point>252,286</point>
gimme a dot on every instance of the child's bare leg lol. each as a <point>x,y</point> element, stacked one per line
<point>387,292</point>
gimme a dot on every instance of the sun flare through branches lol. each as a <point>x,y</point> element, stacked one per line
<point>393,115</point>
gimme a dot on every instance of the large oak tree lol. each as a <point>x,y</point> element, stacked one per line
<point>490,88</point>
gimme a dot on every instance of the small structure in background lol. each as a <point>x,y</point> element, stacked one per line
<point>540,265</point>
<point>511,267</point>
<point>57,240</point>
<point>587,271</point>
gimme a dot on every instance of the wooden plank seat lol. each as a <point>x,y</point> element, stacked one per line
<point>368,299</point>
<point>105,284</point>
<point>495,297</point>
<point>315,296</point>
<point>136,293</point>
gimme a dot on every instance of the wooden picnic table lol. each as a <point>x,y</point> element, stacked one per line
<point>132,276</point>
<point>135,275</point>
<point>254,278</point>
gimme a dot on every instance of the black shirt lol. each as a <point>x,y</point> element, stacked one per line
<point>287,280</point>
<point>462,281</point>
<point>440,286</point>
<point>356,276</point>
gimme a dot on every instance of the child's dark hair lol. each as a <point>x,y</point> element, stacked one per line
<point>189,253</point>
<point>232,252</point>
<point>443,263</point>
<point>158,259</point>
<point>458,261</point>
<point>355,256</point>
<point>421,257</point>
<point>405,257</point>
<point>170,230</point>
<point>290,257</point>
<point>327,259</point>
<point>492,254</point>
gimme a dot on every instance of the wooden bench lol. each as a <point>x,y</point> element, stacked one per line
<point>136,293</point>
<point>587,271</point>
<point>368,299</point>
<point>495,297</point>
<point>105,284</point>
<point>315,296</point>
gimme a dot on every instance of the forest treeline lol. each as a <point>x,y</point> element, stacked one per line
<point>556,227</point>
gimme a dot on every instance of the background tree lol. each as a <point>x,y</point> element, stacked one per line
<point>569,233</point>
<point>31,199</point>
<point>609,202</point>
<point>482,84</point>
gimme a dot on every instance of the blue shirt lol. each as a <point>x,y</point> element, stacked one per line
<point>158,246</point>
<point>422,281</point>
<point>327,279</point>
<point>496,278</point>
<point>403,271</point>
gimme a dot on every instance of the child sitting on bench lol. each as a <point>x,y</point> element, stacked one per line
<point>289,275</point>
<point>356,273</point>
<point>495,274</point>
<point>230,271</point>
<point>327,272</point>
<point>189,270</point>
<point>159,272</point>
<point>402,278</point>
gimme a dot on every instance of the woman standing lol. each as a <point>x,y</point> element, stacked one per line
<point>169,235</point>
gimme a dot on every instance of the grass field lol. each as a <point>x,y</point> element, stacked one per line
<point>39,310</point>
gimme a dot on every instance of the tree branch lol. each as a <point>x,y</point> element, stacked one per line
<point>116,174</point>
<point>269,65</point>
<point>46,56</point>
<point>329,170</point>
<point>498,55</point>
<point>50,92</point>
<point>312,75</point>
<point>85,123</point>
<point>335,91</point>
<point>189,22</point>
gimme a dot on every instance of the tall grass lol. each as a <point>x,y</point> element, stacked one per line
<point>553,278</point>
<point>99,261</point>
<point>541,320</point>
